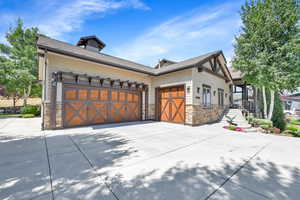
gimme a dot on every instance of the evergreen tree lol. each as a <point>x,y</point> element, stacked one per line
<point>278,115</point>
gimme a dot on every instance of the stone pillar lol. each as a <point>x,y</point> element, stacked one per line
<point>189,114</point>
<point>151,112</point>
<point>46,115</point>
<point>59,105</point>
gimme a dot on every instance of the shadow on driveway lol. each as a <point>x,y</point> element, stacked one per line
<point>24,173</point>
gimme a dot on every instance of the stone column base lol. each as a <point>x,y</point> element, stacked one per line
<point>54,123</point>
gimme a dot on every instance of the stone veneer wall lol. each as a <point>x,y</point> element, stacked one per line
<point>46,116</point>
<point>47,109</point>
<point>199,114</point>
<point>151,112</point>
<point>59,117</point>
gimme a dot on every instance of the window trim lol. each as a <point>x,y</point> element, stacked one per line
<point>204,97</point>
<point>221,104</point>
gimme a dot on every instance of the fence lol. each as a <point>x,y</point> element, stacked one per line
<point>4,103</point>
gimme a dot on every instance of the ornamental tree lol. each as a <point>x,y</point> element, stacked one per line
<point>267,50</point>
<point>18,62</point>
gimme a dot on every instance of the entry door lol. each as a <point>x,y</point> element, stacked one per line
<point>89,105</point>
<point>172,104</point>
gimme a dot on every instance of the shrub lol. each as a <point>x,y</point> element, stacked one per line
<point>295,122</point>
<point>254,122</point>
<point>269,123</point>
<point>232,127</point>
<point>278,114</point>
<point>250,119</point>
<point>35,110</point>
<point>28,115</point>
<point>265,127</point>
<point>291,128</point>
<point>291,133</point>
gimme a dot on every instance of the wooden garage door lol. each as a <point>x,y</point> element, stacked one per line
<point>172,104</point>
<point>87,105</point>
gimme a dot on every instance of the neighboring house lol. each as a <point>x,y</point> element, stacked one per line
<point>82,86</point>
<point>291,104</point>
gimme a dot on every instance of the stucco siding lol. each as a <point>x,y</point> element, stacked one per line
<point>68,64</point>
<point>200,78</point>
<point>183,77</point>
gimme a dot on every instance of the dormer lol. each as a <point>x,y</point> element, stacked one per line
<point>91,43</point>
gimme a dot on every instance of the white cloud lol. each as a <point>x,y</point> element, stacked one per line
<point>56,17</point>
<point>72,15</point>
<point>184,36</point>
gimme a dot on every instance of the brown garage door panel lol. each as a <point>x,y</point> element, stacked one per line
<point>172,104</point>
<point>86,106</point>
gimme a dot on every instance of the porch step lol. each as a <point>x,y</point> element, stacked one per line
<point>239,118</point>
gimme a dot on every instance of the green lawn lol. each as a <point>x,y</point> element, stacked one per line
<point>9,115</point>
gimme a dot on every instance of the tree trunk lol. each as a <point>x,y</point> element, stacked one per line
<point>265,102</point>
<point>27,94</point>
<point>14,103</point>
<point>272,98</point>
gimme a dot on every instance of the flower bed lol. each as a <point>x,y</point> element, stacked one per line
<point>234,128</point>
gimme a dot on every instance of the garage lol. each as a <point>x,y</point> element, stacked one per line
<point>88,101</point>
<point>172,104</point>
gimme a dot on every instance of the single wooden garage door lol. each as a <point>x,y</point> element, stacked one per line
<point>172,104</point>
<point>87,105</point>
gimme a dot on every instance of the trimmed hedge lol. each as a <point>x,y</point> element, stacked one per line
<point>35,110</point>
<point>28,115</point>
<point>291,128</point>
<point>295,122</point>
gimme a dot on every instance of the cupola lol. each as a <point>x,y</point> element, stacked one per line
<point>91,43</point>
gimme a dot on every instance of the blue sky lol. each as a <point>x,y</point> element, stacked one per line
<point>140,30</point>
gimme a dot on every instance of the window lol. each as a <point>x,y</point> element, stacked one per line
<point>206,95</point>
<point>221,97</point>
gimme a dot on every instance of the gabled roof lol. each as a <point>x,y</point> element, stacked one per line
<point>60,47</point>
<point>236,75</point>
<point>187,63</point>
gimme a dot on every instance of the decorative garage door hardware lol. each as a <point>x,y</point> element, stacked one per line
<point>96,81</point>
<point>172,104</point>
<point>89,105</point>
<point>88,100</point>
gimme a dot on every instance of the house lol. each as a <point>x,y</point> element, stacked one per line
<point>83,86</point>
<point>291,104</point>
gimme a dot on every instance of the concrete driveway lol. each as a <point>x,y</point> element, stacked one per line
<point>141,161</point>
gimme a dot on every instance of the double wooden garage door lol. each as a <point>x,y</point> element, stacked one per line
<point>172,104</point>
<point>87,105</point>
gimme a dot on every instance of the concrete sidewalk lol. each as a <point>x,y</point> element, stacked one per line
<point>151,160</point>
